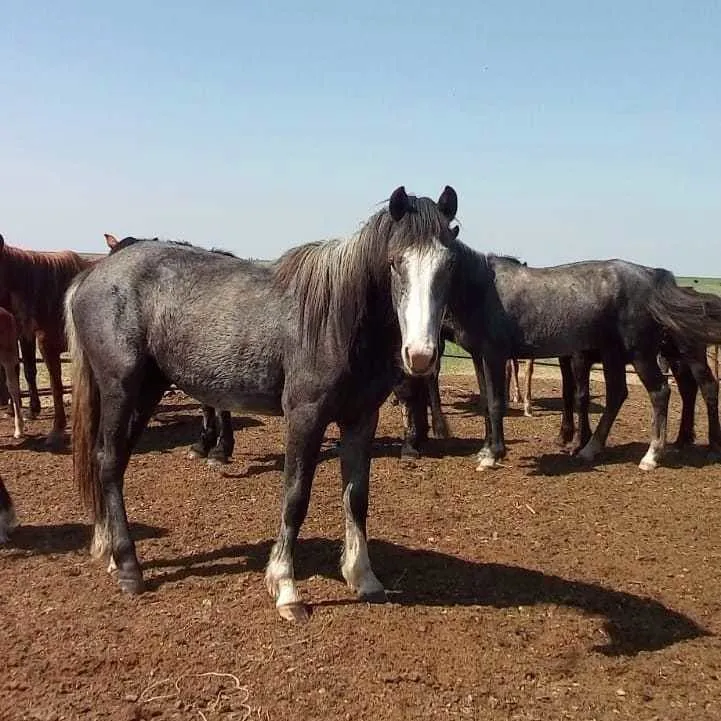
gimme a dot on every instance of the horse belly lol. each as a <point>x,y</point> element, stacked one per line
<point>248,386</point>
<point>249,402</point>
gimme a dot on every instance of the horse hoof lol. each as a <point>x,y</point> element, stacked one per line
<point>131,584</point>
<point>55,441</point>
<point>18,435</point>
<point>410,453</point>
<point>374,597</point>
<point>217,461</point>
<point>647,465</point>
<point>486,462</point>
<point>193,453</point>
<point>296,612</point>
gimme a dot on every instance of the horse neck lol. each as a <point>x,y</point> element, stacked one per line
<point>471,279</point>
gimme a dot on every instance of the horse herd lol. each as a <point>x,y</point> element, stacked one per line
<point>323,335</point>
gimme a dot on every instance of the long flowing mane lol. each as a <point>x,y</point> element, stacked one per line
<point>37,280</point>
<point>332,280</point>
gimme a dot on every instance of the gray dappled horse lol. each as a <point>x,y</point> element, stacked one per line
<point>691,371</point>
<point>321,336</point>
<point>501,309</point>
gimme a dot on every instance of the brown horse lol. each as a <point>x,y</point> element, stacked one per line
<point>36,282</point>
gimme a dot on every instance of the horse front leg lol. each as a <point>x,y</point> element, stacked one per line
<point>495,449</point>
<point>355,459</point>
<point>568,391</point>
<point>304,437</point>
<point>614,374</point>
<point>438,418</point>
<point>51,349</point>
<point>581,366</point>
<point>416,432</point>
<point>482,404</point>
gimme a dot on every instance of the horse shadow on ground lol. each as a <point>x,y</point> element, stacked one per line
<point>472,406</point>
<point>417,577</point>
<point>562,463</point>
<point>41,540</point>
<point>38,444</point>
<point>177,429</point>
<point>383,447</point>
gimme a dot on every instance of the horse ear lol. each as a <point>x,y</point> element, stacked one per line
<point>448,202</point>
<point>398,203</point>
<point>2,242</point>
<point>455,230</point>
<point>111,240</point>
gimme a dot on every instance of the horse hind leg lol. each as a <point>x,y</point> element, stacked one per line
<point>709,387</point>
<point>687,389</point>
<point>527,399</point>
<point>51,349</point>
<point>658,391</point>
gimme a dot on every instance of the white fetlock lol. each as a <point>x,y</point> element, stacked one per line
<point>648,462</point>
<point>101,544</point>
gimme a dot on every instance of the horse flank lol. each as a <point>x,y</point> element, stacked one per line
<point>331,279</point>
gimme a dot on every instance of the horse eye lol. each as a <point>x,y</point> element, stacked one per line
<point>394,263</point>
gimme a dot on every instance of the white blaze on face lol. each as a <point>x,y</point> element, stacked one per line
<point>420,311</point>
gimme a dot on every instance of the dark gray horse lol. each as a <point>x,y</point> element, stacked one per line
<point>7,513</point>
<point>320,336</point>
<point>501,309</point>
<point>690,370</point>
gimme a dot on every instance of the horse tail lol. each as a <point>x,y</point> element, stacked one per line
<point>692,319</point>
<point>85,413</point>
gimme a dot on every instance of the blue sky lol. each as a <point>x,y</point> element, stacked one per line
<point>570,130</point>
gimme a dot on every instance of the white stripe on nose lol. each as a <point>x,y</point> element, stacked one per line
<point>419,342</point>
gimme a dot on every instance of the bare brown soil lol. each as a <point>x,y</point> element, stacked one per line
<point>541,590</point>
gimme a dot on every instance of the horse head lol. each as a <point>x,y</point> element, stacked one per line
<point>420,254</point>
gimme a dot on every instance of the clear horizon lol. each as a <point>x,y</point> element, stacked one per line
<point>569,132</point>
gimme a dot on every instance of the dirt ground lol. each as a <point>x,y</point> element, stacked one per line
<point>541,590</point>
